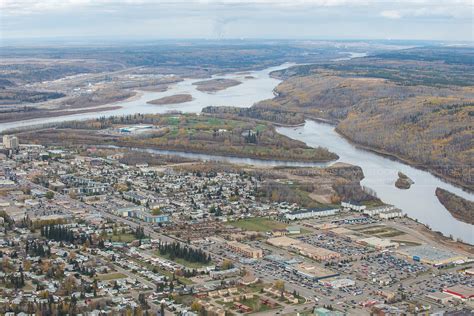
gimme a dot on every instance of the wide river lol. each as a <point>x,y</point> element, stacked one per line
<point>419,202</point>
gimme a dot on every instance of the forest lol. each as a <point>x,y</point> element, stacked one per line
<point>176,250</point>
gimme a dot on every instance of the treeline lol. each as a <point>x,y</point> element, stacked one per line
<point>63,233</point>
<point>15,96</point>
<point>37,248</point>
<point>272,115</point>
<point>108,122</point>
<point>176,250</point>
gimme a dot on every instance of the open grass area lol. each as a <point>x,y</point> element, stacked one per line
<point>123,237</point>
<point>382,232</point>
<point>406,242</point>
<point>259,224</point>
<point>111,276</point>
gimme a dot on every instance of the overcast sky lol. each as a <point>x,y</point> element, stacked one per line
<point>219,19</point>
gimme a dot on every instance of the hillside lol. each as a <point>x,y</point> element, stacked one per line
<point>413,115</point>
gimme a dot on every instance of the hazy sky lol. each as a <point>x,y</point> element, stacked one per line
<point>215,19</point>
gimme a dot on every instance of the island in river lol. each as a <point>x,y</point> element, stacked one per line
<point>238,137</point>
<point>403,182</point>
<point>214,85</point>
<point>459,207</point>
<point>172,99</point>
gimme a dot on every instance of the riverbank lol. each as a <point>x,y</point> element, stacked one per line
<point>409,162</point>
<point>460,208</point>
<point>46,114</point>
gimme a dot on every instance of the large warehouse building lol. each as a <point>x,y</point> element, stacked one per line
<point>432,255</point>
<point>461,292</point>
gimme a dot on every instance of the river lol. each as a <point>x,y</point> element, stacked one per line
<point>251,90</point>
<point>419,202</point>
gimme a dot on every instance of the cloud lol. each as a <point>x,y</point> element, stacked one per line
<point>390,8</point>
<point>391,14</point>
<point>237,18</point>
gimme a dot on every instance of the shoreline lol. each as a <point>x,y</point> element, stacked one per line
<point>393,156</point>
<point>66,113</point>
<point>408,162</point>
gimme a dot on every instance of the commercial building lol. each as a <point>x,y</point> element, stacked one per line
<point>440,297</point>
<point>10,142</point>
<point>432,255</point>
<point>338,283</point>
<point>311,272</point>
<point>313,252</point>
<point>460,291</point>
<point>222,274</point>
<point>316,253</point>
<point>378,243</point>
<point>245,250</point>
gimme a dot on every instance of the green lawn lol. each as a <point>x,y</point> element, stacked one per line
<point>259,224</point>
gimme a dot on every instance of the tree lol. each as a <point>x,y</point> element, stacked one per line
<point>49,195</point>
<point>195,306</point>
<point>227,264</point>
<point>280,285</point>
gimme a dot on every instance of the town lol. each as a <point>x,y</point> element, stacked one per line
<point>85,231</point>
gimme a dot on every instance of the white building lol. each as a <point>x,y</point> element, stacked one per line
<point>384,212</point>
<point>310,213</point>
<point>10,142</point>
<point>354,206</point>
<point>395,213</point>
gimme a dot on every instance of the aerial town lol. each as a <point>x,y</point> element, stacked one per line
<point>86,232</point>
